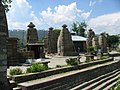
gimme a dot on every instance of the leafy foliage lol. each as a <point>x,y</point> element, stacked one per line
<point>15,71</point>
<point>6,4</point>
<point>117,87</point>
<point>36,68</point>
<point>56,33</point>
<point>112,41</point>
<point>90,49</point>
<point>72,61</point>
<point>79,28</point>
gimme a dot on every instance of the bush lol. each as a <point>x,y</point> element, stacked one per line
<point>90,49</point>
<point>36,68</point>
<point>15,71</point>
<point>72,61</point>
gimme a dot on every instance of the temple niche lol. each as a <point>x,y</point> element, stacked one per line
<point>32,42</point>
<point>102,43</point>
<point>65,43</point>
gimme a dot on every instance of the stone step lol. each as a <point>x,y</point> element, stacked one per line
<point>63,80</point>
<point>12,84</point>
<point>17,88</point>
<point>85,84</point>
<point>100,82</point>
<point>107,83</point>
<point>110,86</point>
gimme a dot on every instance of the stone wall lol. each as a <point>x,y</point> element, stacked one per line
<point>12,54</point>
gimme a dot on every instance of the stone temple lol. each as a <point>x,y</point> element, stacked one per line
<point>32,36</point>
<point>65,43</point>
<point>102,43</point>
<point>32,42</point>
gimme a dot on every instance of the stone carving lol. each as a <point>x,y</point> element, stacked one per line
<point>65,44</point>
<point>3,49</point>
<point>32,36</point>
<point>102,43</point>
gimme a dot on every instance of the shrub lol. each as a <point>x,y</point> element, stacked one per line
<point>36,68</point>
<point>15,71</point>
<point>72,61</point>
<point>90,49</point>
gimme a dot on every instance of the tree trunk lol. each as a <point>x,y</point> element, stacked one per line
<point>3,50</point>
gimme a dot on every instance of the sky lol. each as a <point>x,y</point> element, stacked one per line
<point>100,15</point>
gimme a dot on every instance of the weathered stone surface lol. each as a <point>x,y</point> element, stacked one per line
<point>65,43</point>
<point>3,56</point>
<point>12,54</point>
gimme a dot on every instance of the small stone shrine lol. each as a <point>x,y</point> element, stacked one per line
<point>102,43</point>
<point>65,43</point>
<point>32,36</point>
<point>50,41</point>
<point>95,43</point>
<point>32,42</point>
<point>90,36</point>
<point>3,49</point>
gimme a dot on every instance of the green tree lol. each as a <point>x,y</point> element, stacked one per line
<point>79,28</point>
<point>56,32</point>
<point>75,27</point>
<point>6,4</point>
<point>112,41</point>
<point>82,27</point>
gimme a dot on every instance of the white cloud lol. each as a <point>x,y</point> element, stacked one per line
<point>20,10</point>
<point>21,14</point>
<point>63,14</point>
<point>37,21</point>
<point>85,15</point>
<point>93,2</point>
<point>109,23</point>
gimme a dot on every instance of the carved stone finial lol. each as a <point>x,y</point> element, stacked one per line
<point>51,28</point>
<point>31,25</point>
<point>64,26</point>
